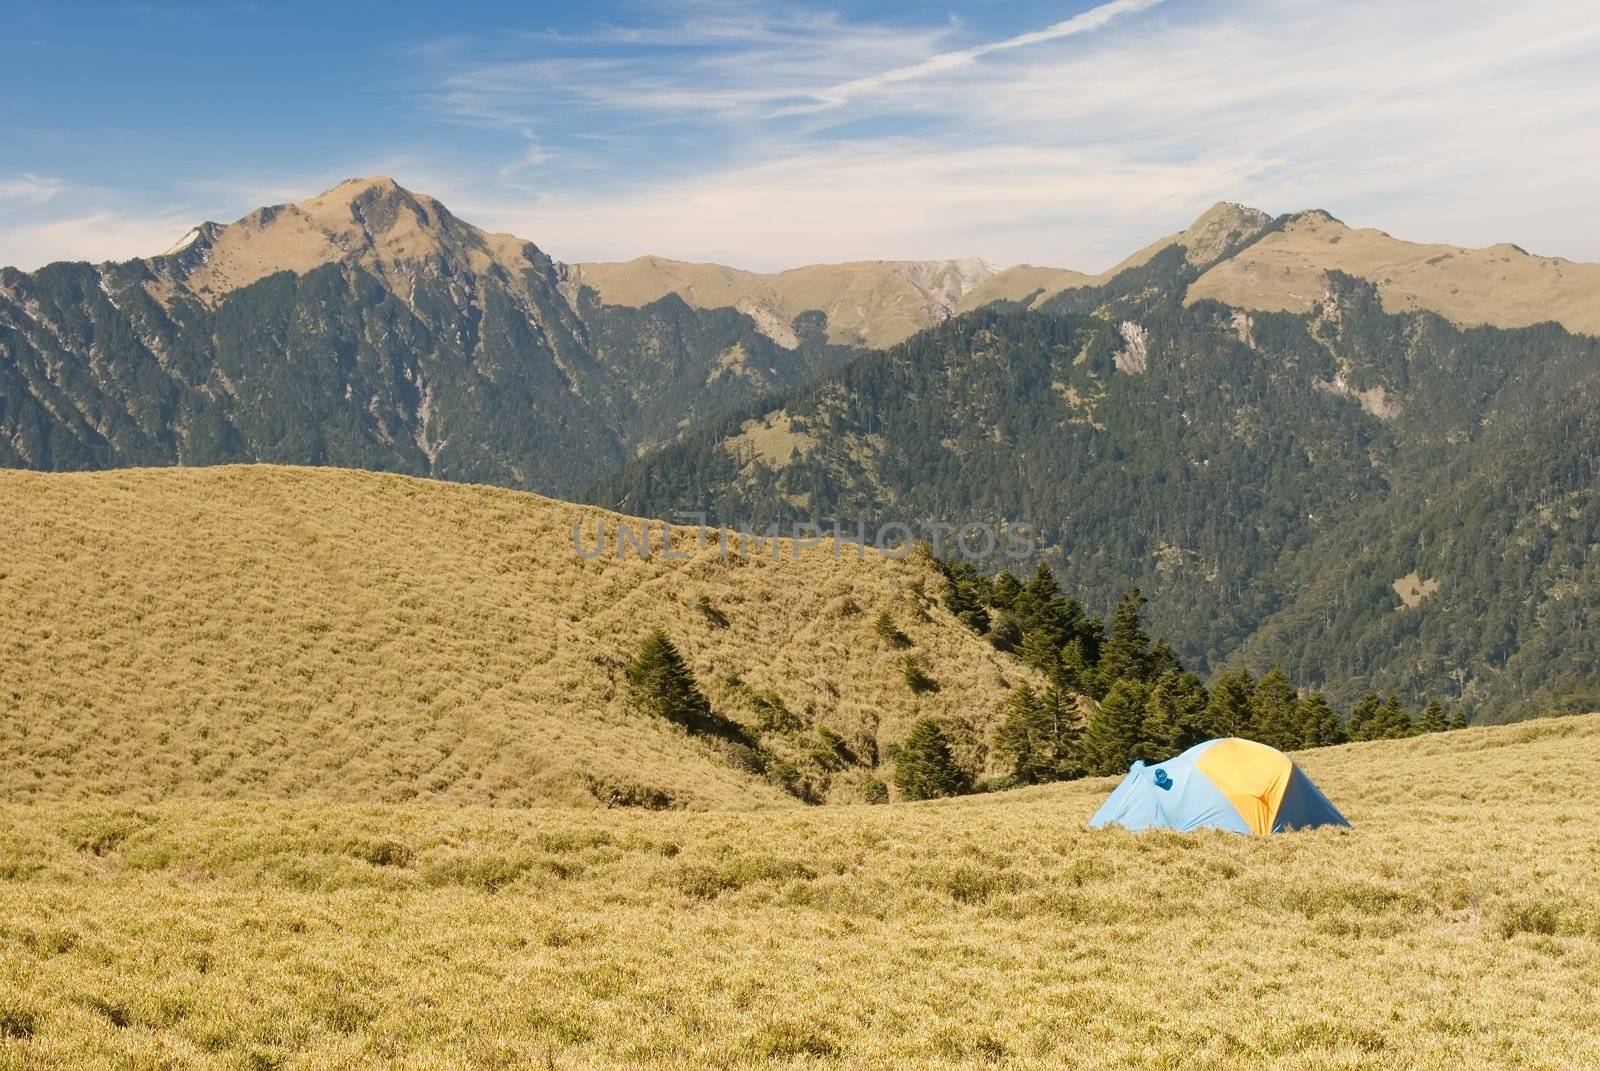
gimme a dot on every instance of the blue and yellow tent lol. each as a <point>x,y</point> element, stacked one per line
<point>1231,784</point>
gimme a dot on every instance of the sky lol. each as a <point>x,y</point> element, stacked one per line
<point>769,135</point>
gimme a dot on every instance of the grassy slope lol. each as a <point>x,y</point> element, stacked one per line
<point>1501,285</point>
<point>1457,926</point>
<point>276,632</point>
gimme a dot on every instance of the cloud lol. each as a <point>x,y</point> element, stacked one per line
<point>944,62</point>
<point>29,188</point>
<point>97,236</point>
<point>766,136</point>
<point>1061,145</point>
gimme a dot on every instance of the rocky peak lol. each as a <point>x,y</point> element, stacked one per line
<point>1218,230</point>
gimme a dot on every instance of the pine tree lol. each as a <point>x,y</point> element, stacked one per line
<point>1363,716</point>
<point>1432,719</point>
<point>1189,698</point>
<point>1112,738</point>
<point>1228,712</point>
<point>1161,731</point>
<point>966,591</point>
<point>1005,591</point>
<point>1073,669</point>
<point>1039,649</point>
<point>1038,739</point>
<point>1391,722</point>
<point>925,768</point>
<point>1458,720</point>
<point>1319,722</point>
<point>1274,711</point>
<point>1061,712</point>
<point>1024,741</point>
<point>915,676</point>
<point>660,683</point>
<point>1004,632</point>
<point>1126,655</point>
<point>1163,659</point>
<point>1040,607</point>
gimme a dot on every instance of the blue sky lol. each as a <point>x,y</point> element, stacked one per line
<point>766,135</point>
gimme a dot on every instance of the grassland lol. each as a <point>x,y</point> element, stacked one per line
<point>1456,926</point>
<point>286,758</point>
<point>266,632</point>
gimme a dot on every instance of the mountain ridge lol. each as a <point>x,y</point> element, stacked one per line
<point>876,303</point>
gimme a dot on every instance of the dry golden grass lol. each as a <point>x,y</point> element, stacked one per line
<point>868,302</point>
<point>1456,926</point>
<point>1207,238</point>
<point>407,229</point>
<point>1500,285</point>
<point>273,632</point>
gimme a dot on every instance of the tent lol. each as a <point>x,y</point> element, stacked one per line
<point>1232,784</point>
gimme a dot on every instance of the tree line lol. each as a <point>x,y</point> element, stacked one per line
<point>1148,706</point>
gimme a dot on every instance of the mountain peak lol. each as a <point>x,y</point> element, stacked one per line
<point>1217,230</point>
<point>372,221</point>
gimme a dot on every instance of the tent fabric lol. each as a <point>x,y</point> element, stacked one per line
<point>1232,784</point>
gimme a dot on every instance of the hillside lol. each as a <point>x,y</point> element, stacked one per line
<point>1502,285</point>
<point>268,632</point>
<point>1370,499</point>
<point>1456,925</point>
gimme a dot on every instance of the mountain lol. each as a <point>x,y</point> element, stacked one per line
<point>269,632</point>
<point>1371,499</point>
<point>1366,459</point>
<point>366,327</point>
<point>1502,285</point>
<point>868,303</point>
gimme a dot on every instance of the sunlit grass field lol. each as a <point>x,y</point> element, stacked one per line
<point>271,632</point>
<point>1456,926</point>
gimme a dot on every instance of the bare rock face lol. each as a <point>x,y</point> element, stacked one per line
<point>1134,356</point>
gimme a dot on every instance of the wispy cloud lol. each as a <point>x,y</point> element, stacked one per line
<point>947,62</point>
<point>98,236</point>
<point>29,188</point>
<point>765,135</point>
<point>811,137</point>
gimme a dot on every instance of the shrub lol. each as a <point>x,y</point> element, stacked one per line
<point>102,832</point>
<point>1529,916</point>
<point>831,752</point>
<point>875,791</point>
<point>17,1022</point>
<point>889,632</point>
<point>915,677</point>
<point>379,852</point>
<point>629,794</point>
<point>715,617</point>
<point>772,715</point>
<point>791,1041</point>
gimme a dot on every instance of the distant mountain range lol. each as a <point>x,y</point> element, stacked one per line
<point>1370,460</point>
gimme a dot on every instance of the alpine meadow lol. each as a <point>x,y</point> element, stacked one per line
<point>835,535</point>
